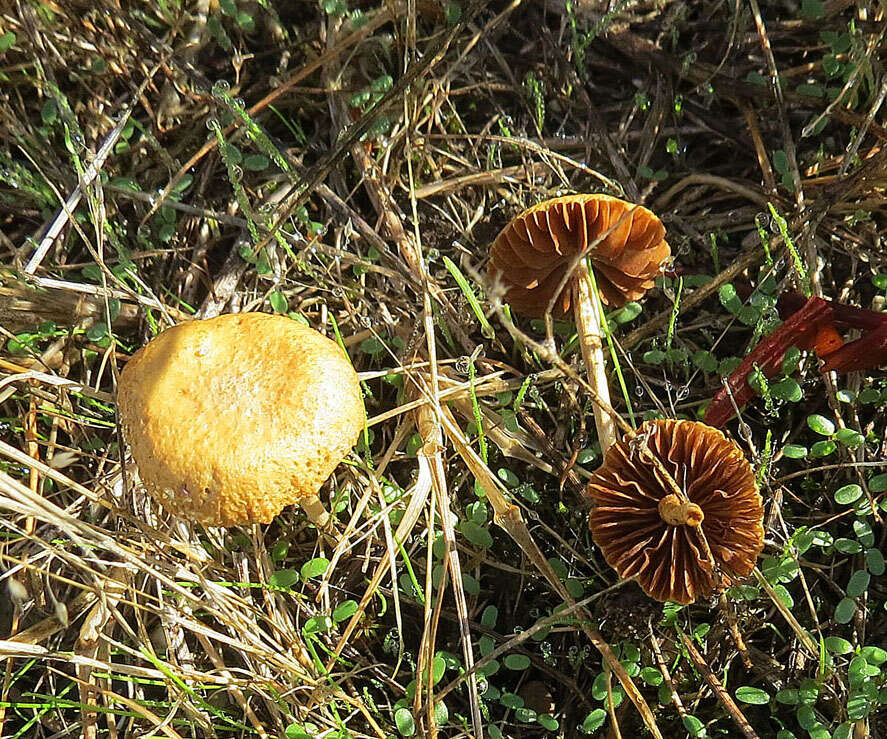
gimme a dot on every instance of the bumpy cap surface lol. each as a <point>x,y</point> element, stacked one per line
<point>532,254</point>
<point>231,419</point>
<point>648,534</point>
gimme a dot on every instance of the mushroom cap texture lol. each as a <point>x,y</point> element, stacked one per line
<point>233,418</point>
<point>668,561</point>
<point>532,254</point>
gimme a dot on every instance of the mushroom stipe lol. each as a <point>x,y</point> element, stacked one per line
<point>541,258</point>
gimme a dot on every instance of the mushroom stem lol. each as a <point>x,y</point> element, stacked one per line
<point>588,326</point>
<point>677,512</point>
<point>317,513</point>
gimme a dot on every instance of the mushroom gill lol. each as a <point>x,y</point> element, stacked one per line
<point>649,534</point>
<point>533,252</point>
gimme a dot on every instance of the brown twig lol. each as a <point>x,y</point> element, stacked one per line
<point>715,684</point>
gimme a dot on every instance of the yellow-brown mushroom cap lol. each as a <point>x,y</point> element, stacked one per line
<point>532,254</point>
<point>648,534</point>
<point>233,418</point>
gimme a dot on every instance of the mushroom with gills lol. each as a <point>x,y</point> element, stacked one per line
<point>685,543</point>
<point>540,260</point>
<point>231,419</point>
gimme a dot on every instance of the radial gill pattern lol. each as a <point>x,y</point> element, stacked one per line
<point>532,254</point>
<point>632,503</point>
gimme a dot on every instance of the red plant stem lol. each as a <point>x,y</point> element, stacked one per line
<point>799,329</point>
<point>865,353</point>
<point>846,316</point>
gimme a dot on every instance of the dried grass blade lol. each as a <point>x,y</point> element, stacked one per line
<point>508,516</point>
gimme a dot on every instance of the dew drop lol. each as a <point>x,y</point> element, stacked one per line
<point>220,88</point>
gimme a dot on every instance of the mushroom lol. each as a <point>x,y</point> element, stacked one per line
<point>231,419</point>
<point>679,541</point>
<point>539,258</point>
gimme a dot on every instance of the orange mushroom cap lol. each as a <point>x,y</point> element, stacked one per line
<point>533,253</point>
<point>233,418</point>
<point>645,531</point>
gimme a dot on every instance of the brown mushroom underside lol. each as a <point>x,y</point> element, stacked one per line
<point>633,502</point>
<point>532,254</point>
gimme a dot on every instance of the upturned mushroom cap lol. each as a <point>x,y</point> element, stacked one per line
<point>233,418</point>
<point>647,533</point>
<point>533,253</point>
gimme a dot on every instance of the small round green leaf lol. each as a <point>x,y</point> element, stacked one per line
<point>874,562</point>
<point>848,494</point>
<point>807,718</point>
<point>794,451</point>
<point>594,721</point>
<point>845,610</point>
<point>788,696</point>
<point>256,162</point>
<point>318,623</point>
<point>787,389</point>
<point>755,696</point>
<point>651,676</point>
<point>525,715</point>
<point>821,424</point>
<point>858,706</point>
<point>850,438</point>
<point>858,584</point>
<point>476,534</point>
<point>489,616</point>
<point>823,448</point>
<point>344,611</point>
<point>314,568</point>
<point>838,645</point>
<point>7,41</point>
<point>547,722</point>
<point>874,655</point>
<point>441,713</point>
<point>278,302</point>
<point>878,484</point>
<point>848,546</point>
<point>693,725</point>
<point>510,700</point>
<point>486,644</point>
<point>471,585</point>
<point>283,579</point>
<point>516,662</point>
<point>627,312</point>
<point>705,360</point>
<point>491,668</point>
<point>404,721</point>
<point>438,667</point>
